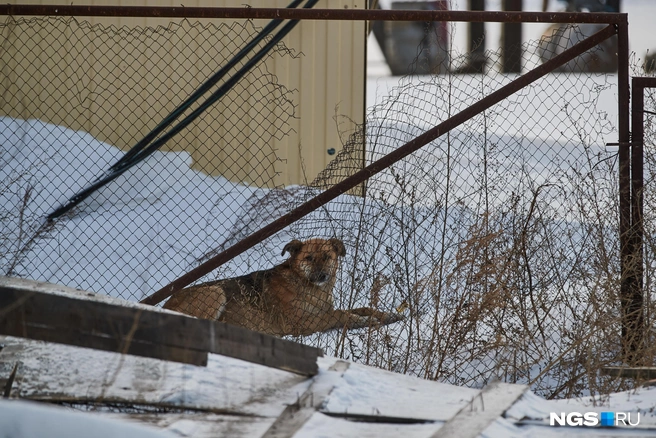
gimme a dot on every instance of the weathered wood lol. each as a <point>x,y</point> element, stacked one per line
<point>142,332</point>
<point>101,326</point>
<point>61,373</point>
<point>492,402</point>
<point>204,425</point>
<point>9,382</point>
<point>638,373</point>
<point>120,406</point>
<point>292,419</point>
<point>118,343</point>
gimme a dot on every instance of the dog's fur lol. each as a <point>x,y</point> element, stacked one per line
<point>293,298</point>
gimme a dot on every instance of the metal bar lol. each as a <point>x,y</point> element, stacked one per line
<point>644,82</point>
<point>315,14</point>
<point>637,206</point>
<point>624,158</point>
<point>634,311</point>
<point>384,162</point>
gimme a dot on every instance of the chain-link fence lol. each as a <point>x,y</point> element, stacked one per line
<point>118,84</point>
<point>490,252</point>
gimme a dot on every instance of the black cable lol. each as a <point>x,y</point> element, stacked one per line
<point>143,153</point>
<point>137,148</point>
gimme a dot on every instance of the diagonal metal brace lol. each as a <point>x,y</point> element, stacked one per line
<point>377,166</point>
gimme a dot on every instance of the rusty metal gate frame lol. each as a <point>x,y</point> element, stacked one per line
<point>632,294</point>
<point>377,166</point>
<point>629,156</point>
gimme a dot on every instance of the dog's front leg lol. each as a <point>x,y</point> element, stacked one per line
<point>354,319</point>
<point>383,318</point>
<point>333,320</point>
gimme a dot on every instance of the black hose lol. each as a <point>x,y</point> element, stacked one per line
<point>139,155</point>
<point>136,149</point>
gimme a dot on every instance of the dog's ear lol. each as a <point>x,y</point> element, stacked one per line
<point>340,249</point>
<point>292,247</point>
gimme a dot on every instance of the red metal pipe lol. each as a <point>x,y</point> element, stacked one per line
<point>634,325</point>
<point>627,275</point>
<point>311,14</point>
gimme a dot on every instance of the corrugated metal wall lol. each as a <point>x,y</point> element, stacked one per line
<point>329,77</point>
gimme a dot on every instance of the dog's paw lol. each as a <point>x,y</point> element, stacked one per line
<point>384,318</point>
<point>377,317</point>
<point>389,318</point>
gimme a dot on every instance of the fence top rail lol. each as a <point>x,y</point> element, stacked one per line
<point>643,82</point>
<point>311,14</point>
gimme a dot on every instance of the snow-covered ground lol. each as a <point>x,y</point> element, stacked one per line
<point>230,397</point>
<point>125,255</point>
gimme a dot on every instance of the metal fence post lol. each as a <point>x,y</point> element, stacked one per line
<point>636,328</point>
<point>627,274</point>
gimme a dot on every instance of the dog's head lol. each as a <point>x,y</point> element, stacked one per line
<point>316,259</point>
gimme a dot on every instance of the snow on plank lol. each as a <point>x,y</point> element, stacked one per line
<point>294,417</point>
<point>484,409</point>
<point>366,393</point>
<point>84,377</point>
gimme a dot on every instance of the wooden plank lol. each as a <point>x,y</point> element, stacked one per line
<point>9,382</point>
<point>142,332</point>
<point>203,425</point>
<point>60,373</point>
<point>638,373</point>
<point>117,343</point>
<point>491,403</point>
<point>262,349</point>
<point>292,419</point>
<point>81,323</point>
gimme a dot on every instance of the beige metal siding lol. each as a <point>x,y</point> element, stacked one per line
<point>329,77</point>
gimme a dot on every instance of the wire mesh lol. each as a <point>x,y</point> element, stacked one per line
<point>490,253</point>
<point>117,84</point>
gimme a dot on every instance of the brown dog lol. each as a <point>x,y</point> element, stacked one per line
<point>293,298</point>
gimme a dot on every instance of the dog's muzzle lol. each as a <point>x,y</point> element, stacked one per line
<point>319,278</point>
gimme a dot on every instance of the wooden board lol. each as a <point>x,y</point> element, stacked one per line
<point>639,373</point>
<point>296,415</point>
<point>143,332</point>
<point>491,403</point>
<point>58,373</point>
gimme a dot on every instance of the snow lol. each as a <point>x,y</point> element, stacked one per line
<point>37,152</point>
<point>21,419</point>
<point>243,399</point>
<point>371,391</point>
